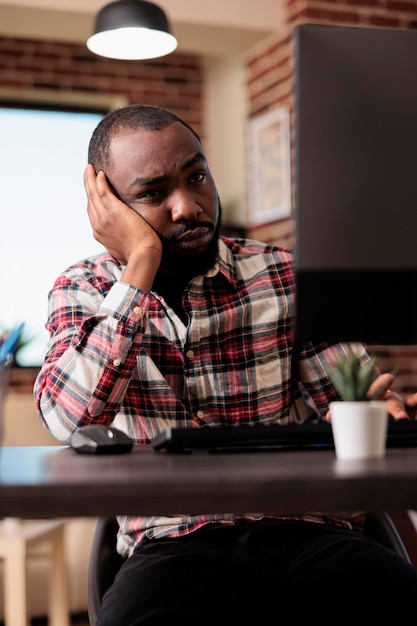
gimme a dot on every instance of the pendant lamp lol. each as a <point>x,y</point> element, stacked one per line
<point>132,30</point>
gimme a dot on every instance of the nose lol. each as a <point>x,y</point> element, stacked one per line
<point>184,207</point>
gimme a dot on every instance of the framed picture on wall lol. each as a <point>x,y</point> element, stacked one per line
<point>269,167</point>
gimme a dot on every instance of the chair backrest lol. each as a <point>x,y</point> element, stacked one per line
<point>105,562</point>
<point>380,527</point>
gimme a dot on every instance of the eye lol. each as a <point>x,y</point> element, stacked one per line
<point>153,193</point>
<point>198,177</point>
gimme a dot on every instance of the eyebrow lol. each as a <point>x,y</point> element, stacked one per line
<point>197,158</point>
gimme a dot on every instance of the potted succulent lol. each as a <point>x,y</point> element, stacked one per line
<point>353,380</point>
<point>359,421</point>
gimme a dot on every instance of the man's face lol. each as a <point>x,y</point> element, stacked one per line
<point>163,175</point>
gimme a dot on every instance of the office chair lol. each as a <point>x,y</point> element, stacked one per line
<point>380,527</point>
<point>105,562</point>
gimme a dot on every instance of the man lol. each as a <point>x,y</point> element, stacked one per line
<point>178,326</point>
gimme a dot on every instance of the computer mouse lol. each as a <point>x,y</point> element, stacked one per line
<point>100,439</point>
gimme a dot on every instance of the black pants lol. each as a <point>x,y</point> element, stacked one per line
<point>268,572</point>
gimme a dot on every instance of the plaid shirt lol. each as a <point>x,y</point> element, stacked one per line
<point>119,356</point>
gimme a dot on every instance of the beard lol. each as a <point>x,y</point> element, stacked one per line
<point>189,266</point>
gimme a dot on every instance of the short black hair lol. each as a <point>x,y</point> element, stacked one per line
<point>133,116</point>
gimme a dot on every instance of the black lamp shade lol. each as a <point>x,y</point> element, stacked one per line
<point>132,29</point>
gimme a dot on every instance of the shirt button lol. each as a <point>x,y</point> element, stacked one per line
<point>116,362</point>
<point>200,414</point>
<point>137,310</point>
<point>190,354</point>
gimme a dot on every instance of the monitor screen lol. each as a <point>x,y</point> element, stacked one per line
<point>355,163</point>
<point>45,226</point>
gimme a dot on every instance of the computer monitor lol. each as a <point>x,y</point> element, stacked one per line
<point>355,164</point>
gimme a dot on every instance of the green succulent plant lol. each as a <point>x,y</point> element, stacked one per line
<point>353,380</point>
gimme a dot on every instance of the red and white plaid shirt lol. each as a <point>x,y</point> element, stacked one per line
<point>119,356</point>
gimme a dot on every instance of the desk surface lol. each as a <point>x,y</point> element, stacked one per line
<point>57,482</point>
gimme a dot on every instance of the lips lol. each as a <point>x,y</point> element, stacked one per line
<point>193,235</point>
<point>192,240</point>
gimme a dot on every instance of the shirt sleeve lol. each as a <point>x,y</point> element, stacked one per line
<point>314,363</point>
<point>94,338</point>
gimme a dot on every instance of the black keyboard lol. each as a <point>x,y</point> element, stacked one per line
<point>310,436</point>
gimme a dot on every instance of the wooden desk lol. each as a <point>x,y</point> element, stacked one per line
<point>41,482</point>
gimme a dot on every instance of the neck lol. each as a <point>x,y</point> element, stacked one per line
<point>172,290</point>
<point>175,272</point>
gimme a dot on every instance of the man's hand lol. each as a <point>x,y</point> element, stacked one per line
<point>122,231</point>
<point>398,407</point>
<point>401,408</point>
<point>118,227</point>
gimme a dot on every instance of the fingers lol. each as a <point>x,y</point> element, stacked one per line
<point>395,404</point>
<point>96,186</point>
<point>396,407</point>
<point>401,408</point>
<point>102,205</point>
<point>90,186</point>
<point>102,185</point>
<point>89,178</point>
<point>380,386</point>
<point>410,403</point>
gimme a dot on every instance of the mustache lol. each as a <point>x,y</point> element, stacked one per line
<point>186,227</point>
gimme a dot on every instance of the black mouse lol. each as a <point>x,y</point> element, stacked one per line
<point>100,439</point>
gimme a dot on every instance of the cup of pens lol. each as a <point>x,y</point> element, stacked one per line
<point>5,366</point>
<point>9,343</point>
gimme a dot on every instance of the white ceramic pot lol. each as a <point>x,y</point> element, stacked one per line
<point>359,429</point>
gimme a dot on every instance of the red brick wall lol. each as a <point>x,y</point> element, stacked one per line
<point>269,66</point>
<point>269,84</point>
<point>175,81</point>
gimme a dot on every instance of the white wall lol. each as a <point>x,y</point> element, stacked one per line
<point>225,114</point>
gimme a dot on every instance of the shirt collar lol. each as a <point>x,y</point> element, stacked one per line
<point>224,265</point>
